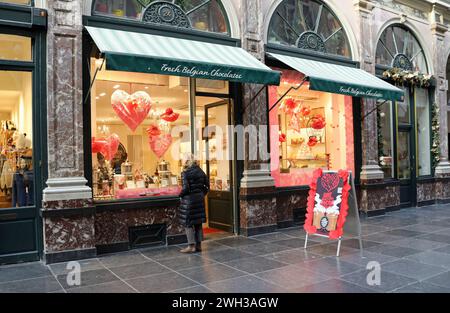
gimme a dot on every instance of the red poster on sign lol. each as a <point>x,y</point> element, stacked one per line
<point>328,204</point>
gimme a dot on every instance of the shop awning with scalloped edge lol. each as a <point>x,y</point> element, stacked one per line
<point>147,53</point>
<point>341,79</point>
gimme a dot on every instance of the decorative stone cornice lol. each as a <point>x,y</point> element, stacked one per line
<point>439,29</point>
<point>364,6</point>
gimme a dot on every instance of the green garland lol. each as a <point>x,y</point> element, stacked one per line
<point>435,128</point>
<point>408,78</point>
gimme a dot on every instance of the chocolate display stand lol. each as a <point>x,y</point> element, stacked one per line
<point>332,208</point>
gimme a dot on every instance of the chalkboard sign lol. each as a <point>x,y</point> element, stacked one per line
<point>328,204</point>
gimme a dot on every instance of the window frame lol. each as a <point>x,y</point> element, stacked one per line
<point>307,51</point>
<point>94,13</point>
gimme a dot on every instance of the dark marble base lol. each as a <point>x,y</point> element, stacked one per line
<point>113,226</point>
<point>254,231</point>
<point>64,256</point>
<point>285,224</point>
<point>176,240</point>
<point>113,248</point>
<point>376,197</point>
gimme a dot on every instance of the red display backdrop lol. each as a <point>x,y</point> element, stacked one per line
<point>328,204</point>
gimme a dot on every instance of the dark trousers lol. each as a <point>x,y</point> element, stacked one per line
<point>194,234</point>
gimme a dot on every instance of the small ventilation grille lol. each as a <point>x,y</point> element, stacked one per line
<point>147,236</point>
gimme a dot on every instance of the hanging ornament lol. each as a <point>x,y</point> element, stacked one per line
<point>289,105</point>
<point>132,109</point>
<point>305,110</point>
<point>317,122</point>
<point>153,130</point>
<point>283,138</point>
<point>170,116</point>
<point>313,141</point>
<point>295,123</point>
<point>108,147</point>
<point>160,144</point>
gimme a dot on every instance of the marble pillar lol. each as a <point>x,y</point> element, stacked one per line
<point>370,171</point>
<point>67,201</point>
<point>258,213</point>
<point>438,32</point>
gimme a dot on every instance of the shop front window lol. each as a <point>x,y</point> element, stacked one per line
<point>15,48</point>
<point>16,135</point>
<point>309,130</point>
<point>205,15</point>
<point>310,25</point>
<point>141,128</point>
<point>385,142</point>
<point>403,108</point>
<point>423,131</point>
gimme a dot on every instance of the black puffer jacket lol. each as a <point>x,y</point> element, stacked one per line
<point>195,187</point>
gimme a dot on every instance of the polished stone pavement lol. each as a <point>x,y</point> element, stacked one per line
<point>412,247</point>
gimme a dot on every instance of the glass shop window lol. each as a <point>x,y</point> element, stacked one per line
<point>16,134</point>
<point>423,131</point>
<point>309,130</point>
<point>385,142</point>
<point>15,48</point>
<point>141,128</point>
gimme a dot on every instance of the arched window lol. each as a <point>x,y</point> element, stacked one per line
<point>308,24</point>
<point>399,48</point>
<point>205,15</point>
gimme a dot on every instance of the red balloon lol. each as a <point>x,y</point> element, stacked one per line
<point>170,116</point>
<point>108,147</point>
<point>160,144</point>
<point>318,122</point>
<point>132,109</point>
<point>313,141</point>
<point>153,131</point>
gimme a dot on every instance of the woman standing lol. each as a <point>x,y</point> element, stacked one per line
<point>192,209</point>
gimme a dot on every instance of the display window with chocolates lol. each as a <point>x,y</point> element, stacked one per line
<point>313,112</point>
<point>309,130</point>
<point>141,129</point>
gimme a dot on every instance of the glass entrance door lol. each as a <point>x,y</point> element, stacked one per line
<point>20,175</point>
<point>406,156</point>
<point>215,151</point>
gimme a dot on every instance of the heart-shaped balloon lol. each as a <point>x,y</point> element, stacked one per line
<point>108,147</point>
<point>153,131</point>
<point>330,181</point>
<point>160,144</point>
<point>132,109</point>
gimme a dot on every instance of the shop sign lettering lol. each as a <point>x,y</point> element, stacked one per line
<point>195,72</point>
<point>356,92</point>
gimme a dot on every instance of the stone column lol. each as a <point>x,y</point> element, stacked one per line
<point>438,32</point>
<point>370,171</point>
<point>67,202</point>
<point>258,202</point>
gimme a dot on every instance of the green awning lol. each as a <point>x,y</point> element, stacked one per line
<point>146,53</point>
<point>342,79</point>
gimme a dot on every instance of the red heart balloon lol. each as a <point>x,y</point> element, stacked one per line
<point>160,144</point>
<point>108,147</point>
<point>132,109</point>
<point>153,131</point>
